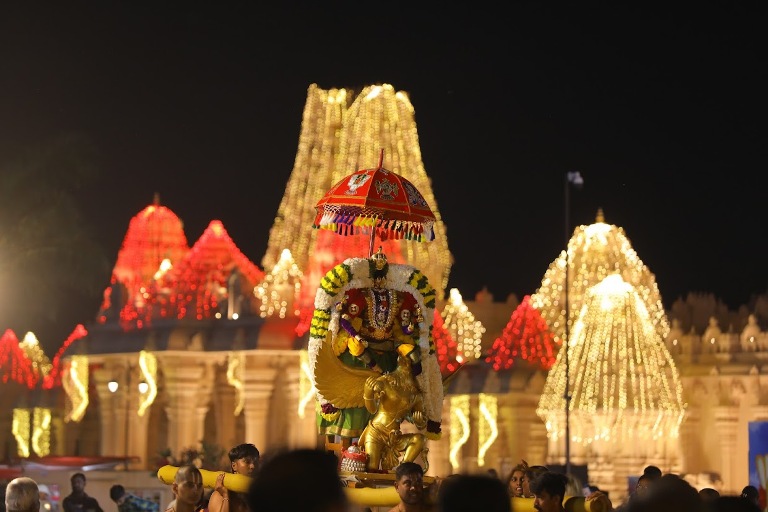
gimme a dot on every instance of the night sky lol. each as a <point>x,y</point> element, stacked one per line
<point>661,111</point>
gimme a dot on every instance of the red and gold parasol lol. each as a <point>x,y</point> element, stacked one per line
<point>376,201</point>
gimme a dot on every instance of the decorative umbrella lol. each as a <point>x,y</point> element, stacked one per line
<point>376,201</point>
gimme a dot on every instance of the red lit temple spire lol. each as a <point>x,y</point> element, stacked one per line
<point>525,337</point>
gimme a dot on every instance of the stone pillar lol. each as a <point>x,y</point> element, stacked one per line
<point>303,430</point>
<point>258,387</point>
<point>183,386</point>
<point>690,430</point>
<point>727,422</point>
<point>224,410</point>
<point>107,408</point>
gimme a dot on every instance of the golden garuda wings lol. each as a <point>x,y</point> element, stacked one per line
<point>340,384</point>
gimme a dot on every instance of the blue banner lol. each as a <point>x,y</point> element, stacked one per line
<point>758,459</point>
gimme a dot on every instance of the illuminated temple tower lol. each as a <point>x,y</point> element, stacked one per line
<point>343,131</point>
<point>626,405</point>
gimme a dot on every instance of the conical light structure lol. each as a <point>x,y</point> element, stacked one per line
<point>623,382</point>
<point>595,252</point>
<point>342,131</point>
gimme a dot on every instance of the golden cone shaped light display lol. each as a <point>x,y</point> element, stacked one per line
<point>595,252</point>
<point>623,382</point>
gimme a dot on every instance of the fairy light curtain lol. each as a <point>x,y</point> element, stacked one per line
<point>595,252</point>
<point>525,337</point>
<point>201,280</point>
<point>154,242</point>
<point>623,382</point>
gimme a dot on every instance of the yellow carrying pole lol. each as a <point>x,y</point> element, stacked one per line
<point>369,496</point>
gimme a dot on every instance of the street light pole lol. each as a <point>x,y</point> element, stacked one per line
<point>575,179</point>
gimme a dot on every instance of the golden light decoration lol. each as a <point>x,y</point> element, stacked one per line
<point>75,383</point>
<point>595,252</point>
<point>148,367</point>
<point>306,386</point>
<point>460,323</point>
<point>460,428</point>
<point>488,429</point>
<point>20,431</point>
<point>623,382</point>
<point>341,130</point>
<point>236,377</point>
<point>41,365</point>
<point>41,431</point>
<point>280,289</point>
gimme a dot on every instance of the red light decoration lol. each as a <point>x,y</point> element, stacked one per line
<point>53,379</point>
<point>201,280</point>
<point>155,234</point>
<point>526,337</point>
<point>445,346</point>
<point>14,363</point>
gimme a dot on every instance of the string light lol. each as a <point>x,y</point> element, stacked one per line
<point>280,289</point>
<point>306,386</point>
<point>75,384</point>
<point>14,364</point>
<point>148,367</point>
<point>235,377</point>
<point>595,252</point>
<point>41,365</point>
<point>201,281</point>
<point>20,431</point>
<point>626,387</point>
<point>462,326</point>
<point>41,431</point>
<point>445,346</point>
<point>525,337</point>
<point>54,377</point>
<point>487,427</point>
<point>155,241</point>
<point>460,429</point>
<point>341,129</point>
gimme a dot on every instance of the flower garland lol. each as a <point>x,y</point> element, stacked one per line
<point>355,273</point>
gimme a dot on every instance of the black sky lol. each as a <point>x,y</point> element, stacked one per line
<point>661,110</point>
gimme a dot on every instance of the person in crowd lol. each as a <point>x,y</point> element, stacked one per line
<point>530,474</point>
<point>78,500</point>
<point>22,495</point>
<point>732,504</point>
<point>515,479</point>
<point>300,480</point>
<point>751,493</point>
<point>669,493</point>
<point>187,487</point>
<point>470,493</point>
<point>244,459</point>
<point>127,502</point>
<point>653,472</point>
<point>409,484</point>
<point>549,491</point>
<point>708,495</point>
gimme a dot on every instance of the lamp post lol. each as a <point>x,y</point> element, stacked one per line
<point>571,178</point>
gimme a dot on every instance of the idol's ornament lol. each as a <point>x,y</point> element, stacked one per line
<point>371,348</point>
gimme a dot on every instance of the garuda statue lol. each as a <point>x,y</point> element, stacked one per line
<point>373,358</point>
